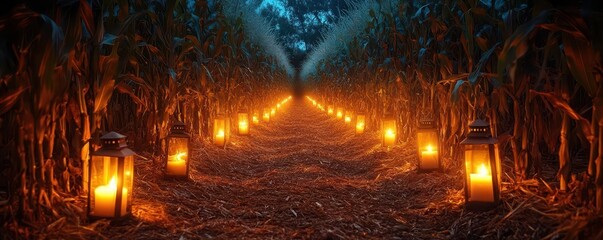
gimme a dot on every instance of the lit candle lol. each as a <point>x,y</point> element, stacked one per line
<point>105,197</point>
<point>273,112</point>
<point>348,119</point>
<point>390,137</point>
<point>330,111</point>
<point>266,117</point>
<point>243,127</point>
<point>360,127</point>
<point>176,165</point>
<point>339,114</point>
<point>255,119</point>
<point>429,158</point>
<point>481,185</point>
<point>220,137</point>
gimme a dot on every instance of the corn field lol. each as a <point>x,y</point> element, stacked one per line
<point>71,71</point>
<point>532,70</point>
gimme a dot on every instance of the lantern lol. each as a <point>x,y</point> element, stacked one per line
<point>360,123</point>
<point>428,145</point>
<point>243,118</point>
<point>348,117</point>
<point>178,141</point>
<point>278,106</point>
<point>388,129</point>
<point>221,131</point>
<point>111,178</point>
<point>330,110</point>
<point>266,115</point>
<point>482,167</point>
<point>339,113</point>
<point>272,112</point>
<point>255,118</point>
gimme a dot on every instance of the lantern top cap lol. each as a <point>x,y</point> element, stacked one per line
<point>111,142</point>
<point>426,122</point>
<point>479,133</point>
<point>178,123</point>
<point>112,136</point>
<point>479,123</point>
<point>178,127</point>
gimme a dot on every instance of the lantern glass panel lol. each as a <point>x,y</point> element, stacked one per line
<point>427,141</point>
<point>220,132</point>
<point>330,110</point>
<point>479,173</point>
<point>243,123</point>
<point>339,113</point>
<point>255,118</point>
<point>389,132</point>
<point>108,178</point>
<point>360,123</point>
<point>348,117</point>
<point>177,160</point>
<point>266,115</point>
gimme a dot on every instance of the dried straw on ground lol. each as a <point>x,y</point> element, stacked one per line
<point>305,175</point>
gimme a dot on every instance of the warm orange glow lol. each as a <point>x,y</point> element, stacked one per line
<point>429,158</point>
<point>243,123</point>
<point>330,110</point>
<point>255,119</point>
<point>105,197</point>
<point>360,123</point>
<point>348,118</point>
<point>176,164</point>
<point>389,132</point>
<point>429,148</point>
<point>266,115</point>
<point>339,114</point>
<point>481,187</point>
<point>273,112</point>
<point>220,131</point>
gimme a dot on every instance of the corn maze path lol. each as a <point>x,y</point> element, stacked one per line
<point>302,175</point>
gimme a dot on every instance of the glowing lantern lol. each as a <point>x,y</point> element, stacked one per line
<point>272,112</point>
<point>255,118</point>
<point>360,123</point>
<point>482,166</point>
<point>266,115</point>
<point>330,110</point>
<point>278,106</point>
<point>243,123</point>
<point>388,129</point>
<point>111,178</point>
<point>339,113</point>
<point>176,164</point>
<point>348,117</point>
<point>221,131</point>
<point>428,145</point>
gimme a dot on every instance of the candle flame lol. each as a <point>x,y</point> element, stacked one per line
<point>482,170</point>
<point>220,133</point>
<point>389,132</point>
<point>112,183</point>
<point>429,148</point>
<point>179,156</point>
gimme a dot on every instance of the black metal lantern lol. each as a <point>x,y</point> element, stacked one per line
<point>482,167</point>
<point>111,178</point>
<point>428,145</point>
<point>177,149</point>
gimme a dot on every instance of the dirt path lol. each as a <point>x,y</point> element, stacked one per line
<point>302,175</point>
